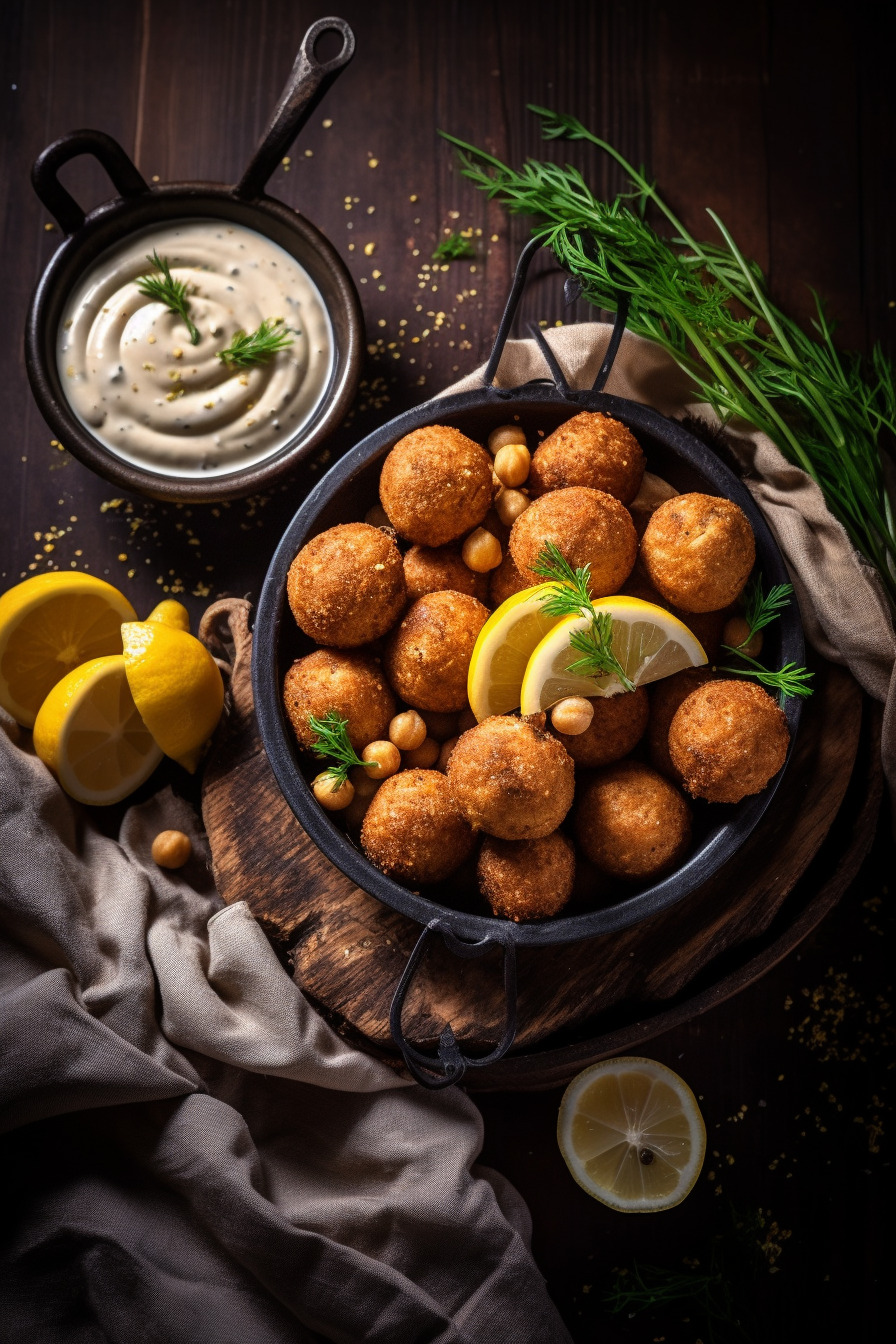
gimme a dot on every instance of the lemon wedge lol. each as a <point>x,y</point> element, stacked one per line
<point>176,687</point>
<point>503,649</point>
<point>631,1133</point>
<point>171,613</point>
<point>89,733</point>
<point>648,641</point>
<point>48,625</point>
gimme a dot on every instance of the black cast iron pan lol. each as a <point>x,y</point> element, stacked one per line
<point>139,206</point>
<point>344,495</point>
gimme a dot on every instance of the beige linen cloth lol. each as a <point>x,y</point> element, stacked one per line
<point>191,1153</point>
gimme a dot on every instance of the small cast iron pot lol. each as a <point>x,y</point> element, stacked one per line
<point>139,206</point>
<point>345,494</point>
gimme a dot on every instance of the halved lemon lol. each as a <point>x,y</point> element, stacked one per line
<point>648,641</point>
<point>176,687</point>
<point>171,613</point>
<point>50,624</point>
<point>89,733</point>
<point>503,649</point>
<point>631,1133</point>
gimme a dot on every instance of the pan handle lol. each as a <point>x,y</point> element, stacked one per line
<point>450,1064</point>
<point>559,381</point>
<point>308,81</point>
<point>108,152</point>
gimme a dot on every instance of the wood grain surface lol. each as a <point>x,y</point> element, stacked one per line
<point>778,114</point>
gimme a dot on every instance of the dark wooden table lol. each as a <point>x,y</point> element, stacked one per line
<point>780,116</point>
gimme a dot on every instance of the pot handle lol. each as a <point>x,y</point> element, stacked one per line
<point>559,381</point>
<point>308,81</point>
<point>450,1064</point>
<point>68,214</point>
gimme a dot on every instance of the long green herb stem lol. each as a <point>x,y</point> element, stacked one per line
<point>571,596</point>
<point>331,739</point>
<point>707,305</point>
<point>172,293</point>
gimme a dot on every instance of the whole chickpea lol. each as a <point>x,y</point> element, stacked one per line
<point>364,783</point>
<point>481,551</point>
<point>382,758</point>
<point>512,464</point>
<point>407,730</point>
<point>330,793</point>
<point>510,504</point>
<point>423,757</point>
<point>572,715</point>
<point>736,631</point>
<point>502,436</point>
<point>171,849</point>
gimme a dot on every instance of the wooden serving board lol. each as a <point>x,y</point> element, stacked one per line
<point>347,950</point>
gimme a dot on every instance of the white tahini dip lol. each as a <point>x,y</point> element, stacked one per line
<point>134,379</point>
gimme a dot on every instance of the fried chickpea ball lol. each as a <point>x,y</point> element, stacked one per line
<point>427,658</point>
<point>727,740</point>
<point>511,779</point>
<point>698,550</point>
<point>707,626</point>
<point>632,823</point>
<point>616,729</point>
<point>665,697</point>
<point>589,527</point>
<point>346,586</point>
<point>413,831</point>
<point>505,581</point>
<point>590,449</point>
<point>353,684</point>
<point>436,484</point>
<point>527,879</point>
<point>433,569</point>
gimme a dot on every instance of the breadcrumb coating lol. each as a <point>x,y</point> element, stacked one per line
<point>588,527</point>
<point>436,485</point>
<point>346,586</point>
<point>632,822</point>
<point>527,879</point>
<point>698,551</point>
<point>511,779</point>
<point>412,830</point>
<point>590,449</point>
<point>727,740</point>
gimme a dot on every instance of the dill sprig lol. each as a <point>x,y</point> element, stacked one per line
<point>331,739</point>
<point>571,596</point>
<point>172,293</point>
<point>255,347</point>
<point>760,610</point>
<point>707,305</point>
<point>453,248</point>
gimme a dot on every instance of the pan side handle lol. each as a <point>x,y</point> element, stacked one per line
<point>308,81</point>
<point>108,152</point>
<point>449,1064</point>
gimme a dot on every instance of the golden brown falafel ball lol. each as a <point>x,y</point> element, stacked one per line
<point>527,879</point>
<point>665,697</point>
<point>505,581</point>
<point>616,729</point>
<point>590,449</point>
<point>412,830</point>
<point>433,569</point>
<point>436,484</point>
<point>352,684</point>
<point>632,823</point>
<point>727,740</point>
<point>589,527</point>
<point>511,779</point>
<point>346,586</point>
<point>428,656</point>
<point>706,626</point>
<point>698,550</point>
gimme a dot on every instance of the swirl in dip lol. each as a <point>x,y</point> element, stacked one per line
<point>134,380</point>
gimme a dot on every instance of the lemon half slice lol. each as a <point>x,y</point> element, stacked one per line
<point>648,641</point>
<point>631,1133</point>
<point>89,733</point>
<point>49,625</point>
<point>176,687</point>
<point>503,649</point>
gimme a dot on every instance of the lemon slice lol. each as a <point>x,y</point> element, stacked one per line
<point>176,687</point>
<point>48,625</point>
<point>631,1133</point>
<point>89,733</point>
<point>648,641</point>
<point>503,649</point>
